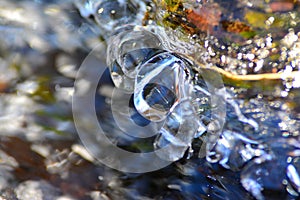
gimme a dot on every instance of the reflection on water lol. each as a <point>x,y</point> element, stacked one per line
<point>42,44</point>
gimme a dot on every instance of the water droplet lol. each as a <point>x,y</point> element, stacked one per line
<point>112,13</point>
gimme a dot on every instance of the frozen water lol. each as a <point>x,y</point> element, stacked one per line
<point>162,86</point>
<point>111,13</point>
<point>128,119</point>
<point>161,83</point>
<point>86,7</point>
<point>108,15</point>
<point>165,92</point>
<point>178,131</point>
<point>126,51</point>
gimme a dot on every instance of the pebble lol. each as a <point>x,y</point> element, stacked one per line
<point>36,190</point>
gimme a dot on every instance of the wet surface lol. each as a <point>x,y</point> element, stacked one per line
<point>43,44</point>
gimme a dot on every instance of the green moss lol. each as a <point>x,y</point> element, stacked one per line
<point>248,34</point>
<point>256,19</point>
<point>280,20</point>
<point>172,5</point>
<point>54,115</point>
<point>58,132</point>
<point>43,92</point>
<point>16,67</point>
<point>274,57</point>
<point>143,146</point>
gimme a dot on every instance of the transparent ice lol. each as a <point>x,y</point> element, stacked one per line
<point>161,83</point>
<point>165,91</point>
<point>126,51</point>
<point>111,14</point>
<point>178,131</point>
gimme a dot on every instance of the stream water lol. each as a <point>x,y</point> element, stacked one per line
<point>96,105</point>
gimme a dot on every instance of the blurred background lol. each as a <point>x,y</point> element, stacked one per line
<point>42,45</point>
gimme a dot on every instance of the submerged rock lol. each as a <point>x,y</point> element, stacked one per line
<point>36,190</point>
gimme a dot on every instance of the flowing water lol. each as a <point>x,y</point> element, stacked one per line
<point>200,132</point>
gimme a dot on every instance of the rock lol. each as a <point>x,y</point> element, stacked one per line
<point>36,190</point>
<point>7,164</point>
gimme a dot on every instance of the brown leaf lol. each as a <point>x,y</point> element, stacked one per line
<point>205,18</point>
<point>235,26</point>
